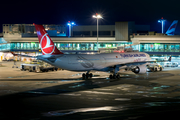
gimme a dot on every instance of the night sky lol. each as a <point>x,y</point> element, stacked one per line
<point>143,12</point>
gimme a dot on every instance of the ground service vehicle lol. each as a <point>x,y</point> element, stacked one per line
<point>174,64</point>
<point>167,64</point>
<point>37,67</point>
<point>154,67</point>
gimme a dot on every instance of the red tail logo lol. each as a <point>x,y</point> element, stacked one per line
<point>47,45</point>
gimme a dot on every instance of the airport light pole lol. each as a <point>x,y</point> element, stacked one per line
<point>70,24</point>
<point>162,21</point>
<point>97,16</point>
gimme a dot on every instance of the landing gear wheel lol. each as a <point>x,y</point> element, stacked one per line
<point>117,76</point>
<point>87,75</point>
<point>114,76</point>
<point>90,75</point>
<point>83,75</point>
<point>110,76</point>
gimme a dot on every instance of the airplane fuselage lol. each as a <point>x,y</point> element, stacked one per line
<point>88,62</point>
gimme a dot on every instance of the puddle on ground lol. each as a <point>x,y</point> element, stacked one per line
<point>3,85</point>
<point>161,87</point>
<point>96,83</point>
<point>123,99</point>
<point>150,104</point>
<point>18,77</point>
<point>163,92</point>
<point>108,108</point>
<point>105,89</point>
<point>36,92</point>
<point>51,82</point>
<point>103,93</point>
<point>72,94</point>
<point>142,92</point>
<point>78,85</point>
<point>73,111</point>
<point>58,81</point>
<point>165,86</point>
<point>8,91</point>
<point>77,74</point>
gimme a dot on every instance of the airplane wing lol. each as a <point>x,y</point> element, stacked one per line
<point>38,57</point>
<point>136,63</point>
<point>23,55</point>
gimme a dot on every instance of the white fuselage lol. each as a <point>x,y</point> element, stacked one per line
<point>87,62</point>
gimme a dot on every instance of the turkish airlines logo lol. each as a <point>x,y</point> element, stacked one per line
<point>85,63</point>
<point>47,46</point>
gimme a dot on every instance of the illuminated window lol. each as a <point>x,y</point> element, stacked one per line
<point>25,46</point>
<point>74,46</point>
<point>83,46</point>
<point>91,46</point>
<point>87,46</point>
<point>158,47</point>
<point>18,45</point>
<point>70,46</point>
<point>66,46</point>
<point>78,46</point>
<point>21,45</point>
<point>36,46</point>
<point>176,47</point>
<point>28,46</point>
<point>62,46</point>
<point>169,47</point>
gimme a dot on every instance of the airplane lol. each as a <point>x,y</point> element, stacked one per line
<point>172,28</point>
<point>105,62</point>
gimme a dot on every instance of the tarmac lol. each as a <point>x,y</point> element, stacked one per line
<point>64,95</point>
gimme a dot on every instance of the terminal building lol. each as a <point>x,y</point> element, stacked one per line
<point>22,38</point>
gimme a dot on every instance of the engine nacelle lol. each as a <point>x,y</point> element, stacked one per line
<point>140,69</point>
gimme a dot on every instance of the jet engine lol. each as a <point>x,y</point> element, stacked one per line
<point>140,69</point>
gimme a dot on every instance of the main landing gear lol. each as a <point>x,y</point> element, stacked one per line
<point>87,75</point>
<point>114,76</point>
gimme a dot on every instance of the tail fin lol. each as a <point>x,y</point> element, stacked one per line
<point>169,59</point>
<point>47,45</point>
<point>172,28</point>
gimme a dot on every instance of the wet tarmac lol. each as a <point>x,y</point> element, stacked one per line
<point>64,95</point>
